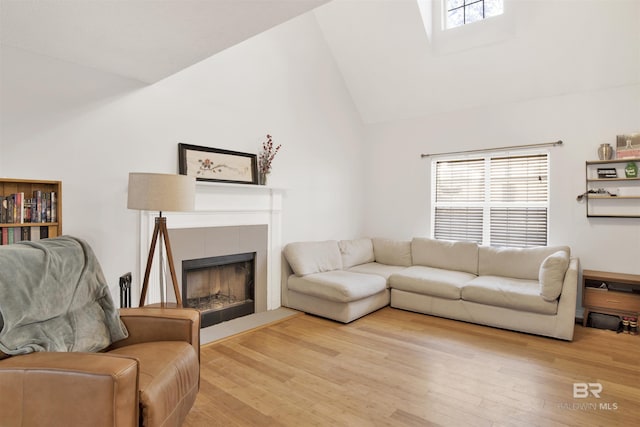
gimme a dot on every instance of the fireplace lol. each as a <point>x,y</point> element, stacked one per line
<point>220,287</point>
<point>228,219</point>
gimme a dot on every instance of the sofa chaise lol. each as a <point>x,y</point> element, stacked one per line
<point>531,290</point>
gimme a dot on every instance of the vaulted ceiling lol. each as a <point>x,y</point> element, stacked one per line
<point>393,67</point>
<point>140,39</point>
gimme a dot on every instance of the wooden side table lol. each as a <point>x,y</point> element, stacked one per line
<point>621,297</point>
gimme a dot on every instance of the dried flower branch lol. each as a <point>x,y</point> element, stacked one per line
<point>267,155</point>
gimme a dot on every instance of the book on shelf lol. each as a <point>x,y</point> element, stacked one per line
<point>4,206</point>
<point>17,234</point>
<point>37,196</point>
<point>10,204</point>
<point>25,233</point>
<point>54,207</point>
<point>47,212</point>
<point>607,173</point>
<point>17,208</point>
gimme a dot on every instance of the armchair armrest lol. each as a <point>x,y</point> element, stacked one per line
<point>148,324</point>
<point>73,389</point>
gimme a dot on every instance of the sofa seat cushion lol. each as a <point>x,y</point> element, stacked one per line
<point>168,379</point>
<point>378,269</point>
<point>518,294</point>
<point>431,281</point>
<point>339,286</point>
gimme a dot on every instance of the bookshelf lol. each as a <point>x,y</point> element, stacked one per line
<point>32,223</point>
<point>609,192</point>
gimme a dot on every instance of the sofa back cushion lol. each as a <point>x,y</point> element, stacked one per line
<point>313,257</point>
<point>356,252</point>
<point>392,252</point>
<point>551,275</point>
<point>518,263</point>
<point>448,255</point>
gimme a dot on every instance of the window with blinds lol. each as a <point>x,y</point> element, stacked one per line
<point>497,200</point>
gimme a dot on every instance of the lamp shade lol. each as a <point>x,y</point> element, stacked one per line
<point>161,192</point>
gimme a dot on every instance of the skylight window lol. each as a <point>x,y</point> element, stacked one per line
<point>461,12</point>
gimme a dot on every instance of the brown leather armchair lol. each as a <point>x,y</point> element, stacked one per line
<point>149,379</point>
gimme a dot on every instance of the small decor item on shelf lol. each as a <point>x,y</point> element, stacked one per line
<point>628,146</point>
<point>601,192</point>
<point>607,173</point>
<point>265,158</point>
<point>605,152</point>
<point>631,170</point>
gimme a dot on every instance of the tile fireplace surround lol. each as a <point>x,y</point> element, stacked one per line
<point>229,207</point>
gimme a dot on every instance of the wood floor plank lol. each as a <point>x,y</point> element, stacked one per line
<point>397,368</point>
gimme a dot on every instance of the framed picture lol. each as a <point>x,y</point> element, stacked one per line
<point>214,164</point>
<point>628,146</point>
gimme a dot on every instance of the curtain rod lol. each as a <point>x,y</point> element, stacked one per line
<point>543,144</point>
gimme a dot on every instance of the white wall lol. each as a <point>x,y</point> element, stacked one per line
<point>90,129</point>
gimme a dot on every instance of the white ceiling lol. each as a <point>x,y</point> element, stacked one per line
<point>538,48</point>
<point>146,40</point>
<point>392,68</point>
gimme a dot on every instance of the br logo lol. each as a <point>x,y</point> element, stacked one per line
<point>583,390</point>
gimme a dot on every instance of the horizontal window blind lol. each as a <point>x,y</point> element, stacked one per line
<point>519,179</point>
<point>495,200</point>
<point>460,181</point>
<point>459,224</point>
<point>518,227</point>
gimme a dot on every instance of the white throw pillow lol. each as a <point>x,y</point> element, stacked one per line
<point>551,275</point>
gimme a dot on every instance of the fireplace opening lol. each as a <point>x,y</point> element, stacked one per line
<point>221,288</point>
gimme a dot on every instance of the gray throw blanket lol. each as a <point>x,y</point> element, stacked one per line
<point>54,297</point>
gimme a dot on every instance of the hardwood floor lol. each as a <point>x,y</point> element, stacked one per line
<point>396,368</point>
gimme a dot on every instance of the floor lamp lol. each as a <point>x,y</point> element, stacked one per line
<point>161,192</point>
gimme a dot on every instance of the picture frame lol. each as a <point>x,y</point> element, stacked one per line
<point>217,165</point>
<point>628,146</point>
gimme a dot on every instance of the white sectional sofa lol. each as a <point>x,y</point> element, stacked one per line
<point>531,290</point>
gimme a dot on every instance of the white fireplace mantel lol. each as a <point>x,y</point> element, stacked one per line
<point>224,205</point>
